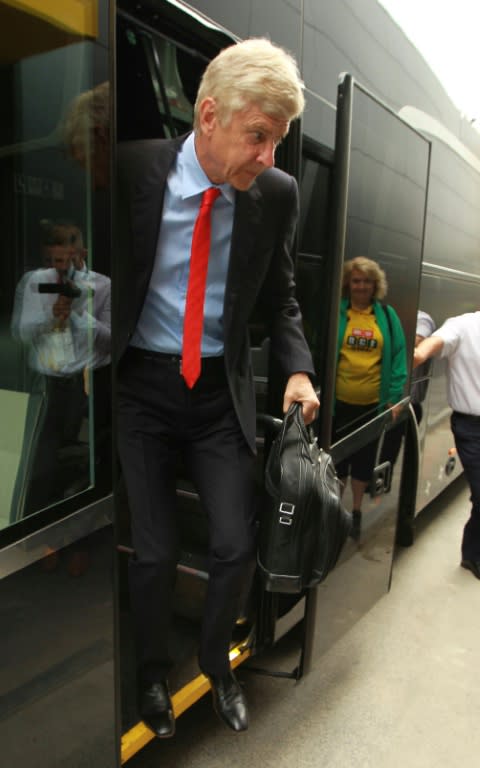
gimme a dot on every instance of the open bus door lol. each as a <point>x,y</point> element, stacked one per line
<point>380,184</point>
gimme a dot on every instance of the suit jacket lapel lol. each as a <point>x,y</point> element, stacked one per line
<point>246,222</point>
<point>147,205</point>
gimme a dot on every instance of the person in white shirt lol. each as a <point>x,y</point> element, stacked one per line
<point>62,316</point>
<point>62,311</point>
<point>424,328</point>
<point>458,341</point>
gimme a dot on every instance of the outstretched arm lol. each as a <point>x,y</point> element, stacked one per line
<point>427,348</point>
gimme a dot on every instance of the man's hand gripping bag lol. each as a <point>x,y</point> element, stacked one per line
<point>304,525</point>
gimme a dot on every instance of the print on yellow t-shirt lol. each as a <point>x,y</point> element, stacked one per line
<point>359,364</point>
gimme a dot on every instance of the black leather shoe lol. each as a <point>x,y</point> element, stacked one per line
<point>473,566</point>
<point>155,708</point>
<point>229,702</point>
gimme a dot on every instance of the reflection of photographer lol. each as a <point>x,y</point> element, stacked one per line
<point>62,315</point>
<point>62,312</point>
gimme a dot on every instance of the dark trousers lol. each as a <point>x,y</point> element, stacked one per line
<point>158,418</point>
<point>347,418</point>
<point>65,408</point>
<point>466,430</point>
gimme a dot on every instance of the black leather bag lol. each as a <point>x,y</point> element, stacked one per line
<point>304,525</point>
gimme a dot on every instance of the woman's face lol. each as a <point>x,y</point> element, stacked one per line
<point>361,288</point>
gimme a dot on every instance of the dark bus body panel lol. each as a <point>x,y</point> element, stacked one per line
<point>449,286</point>
<point>57,689</point>
<point>358,37</point>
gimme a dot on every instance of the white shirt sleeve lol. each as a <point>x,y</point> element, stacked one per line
<point>425,325</point>
<point>451,334</point>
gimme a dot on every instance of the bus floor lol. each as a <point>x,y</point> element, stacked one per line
<point>401,688</point>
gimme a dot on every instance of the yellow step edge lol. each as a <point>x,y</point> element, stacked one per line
<point>138,736</point>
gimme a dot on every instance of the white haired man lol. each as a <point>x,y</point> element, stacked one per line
<point>204,409</point>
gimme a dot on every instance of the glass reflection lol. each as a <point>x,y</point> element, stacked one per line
<point>425,327</point>
<point>371,367</point>
<point>62,317</point>
<point>55,326</point>
<point>418,392</point>
<point>86,133</point>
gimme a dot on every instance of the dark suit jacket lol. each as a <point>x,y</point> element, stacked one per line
<point>260,267</point>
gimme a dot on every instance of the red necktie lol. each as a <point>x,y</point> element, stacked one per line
<point>193,322</point>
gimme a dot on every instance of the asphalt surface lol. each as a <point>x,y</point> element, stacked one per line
<point>400,689</point>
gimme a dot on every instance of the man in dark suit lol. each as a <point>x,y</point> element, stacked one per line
<point>246,100</point>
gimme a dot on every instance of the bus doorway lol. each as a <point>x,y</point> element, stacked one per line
<point>160,59</point>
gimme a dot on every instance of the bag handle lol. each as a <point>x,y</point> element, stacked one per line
<point>295,413</point>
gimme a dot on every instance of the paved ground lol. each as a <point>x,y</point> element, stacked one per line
<point>400,690</point>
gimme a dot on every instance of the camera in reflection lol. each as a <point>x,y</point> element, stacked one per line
<point>68,289</point>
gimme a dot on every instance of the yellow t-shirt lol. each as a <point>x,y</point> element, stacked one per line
<point>359,364</point>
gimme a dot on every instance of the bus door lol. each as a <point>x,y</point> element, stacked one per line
<point>57,695</point>
<point>380,179</point>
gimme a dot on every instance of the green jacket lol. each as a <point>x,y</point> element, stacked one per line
<point>394,358</point>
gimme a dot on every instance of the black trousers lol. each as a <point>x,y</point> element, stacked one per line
<point>66,404</point>
<point>158,418</point>
<point>347,418</point>
<point>466,430</point>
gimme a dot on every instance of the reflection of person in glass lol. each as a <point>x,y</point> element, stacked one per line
<point>418,392</point>
<point>424,328</point>
<point>62,314</point>
<point>86,133</point>
<point>371,366</point>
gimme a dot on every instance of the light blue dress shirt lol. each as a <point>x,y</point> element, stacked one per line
<point>160,327</point>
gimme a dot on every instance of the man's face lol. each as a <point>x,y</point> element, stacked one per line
<point>63,250</point>
<point>61,258</point>
<point>238,152</point>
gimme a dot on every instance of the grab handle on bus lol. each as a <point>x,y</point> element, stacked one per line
<point>271,424</point>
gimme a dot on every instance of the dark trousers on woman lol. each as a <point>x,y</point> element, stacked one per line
<point>466,430</point>
<point>348,418</point>
<point>158,419</point>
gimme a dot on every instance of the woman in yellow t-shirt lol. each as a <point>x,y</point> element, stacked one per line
<point>371,366</point>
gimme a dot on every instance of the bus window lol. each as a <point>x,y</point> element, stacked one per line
<point>159,82</point>
<point>313,242</point>
<point>55,296</point>
<point>56,536</point>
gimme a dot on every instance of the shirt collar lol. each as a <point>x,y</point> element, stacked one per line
<point>192,177</point>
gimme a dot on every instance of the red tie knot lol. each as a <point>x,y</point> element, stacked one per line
<point>209,197</point>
